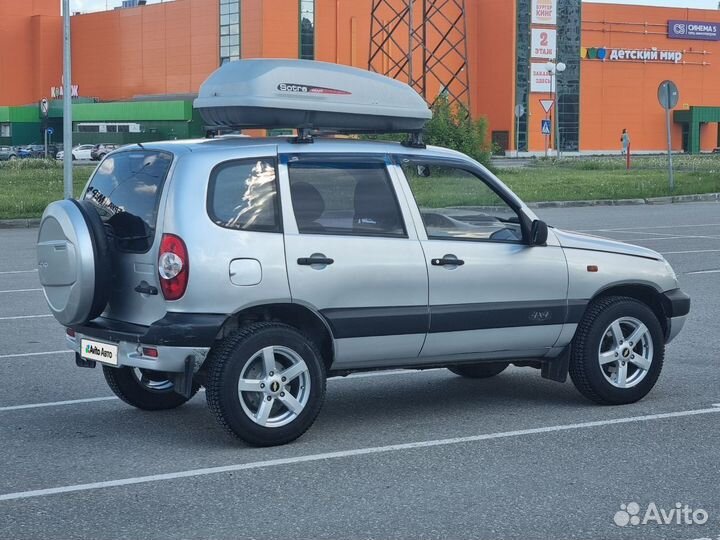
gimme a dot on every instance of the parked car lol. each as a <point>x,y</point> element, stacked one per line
<point>80,152</point>
<point>257,268</point>
<point>99,151</point>
<point>37,151</point>
<point>7,153</point>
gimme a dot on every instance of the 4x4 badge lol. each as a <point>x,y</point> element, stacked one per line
<point>540,316</point>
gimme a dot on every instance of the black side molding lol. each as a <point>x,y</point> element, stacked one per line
<point>173,330</point>
<point>677,303</point>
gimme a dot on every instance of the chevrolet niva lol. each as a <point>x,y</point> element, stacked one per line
<point>258,267</point>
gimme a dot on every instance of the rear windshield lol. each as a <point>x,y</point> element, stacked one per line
<point>126,191</point>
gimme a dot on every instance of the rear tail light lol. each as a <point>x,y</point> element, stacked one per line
<point>173,266</point>
<point>70,333</point>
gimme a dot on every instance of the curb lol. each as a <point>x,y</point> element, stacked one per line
<point>19,223</point>
<point>706,197</point>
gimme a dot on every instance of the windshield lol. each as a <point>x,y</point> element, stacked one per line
<point>126,190</point>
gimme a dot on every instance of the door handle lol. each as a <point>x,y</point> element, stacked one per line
<point>146,288</point>
<point>447,260</point>
<point>309,261</point>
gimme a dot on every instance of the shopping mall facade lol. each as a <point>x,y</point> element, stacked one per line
<point>136,70</point>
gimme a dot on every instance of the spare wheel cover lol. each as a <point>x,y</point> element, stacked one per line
<point>67,262</point>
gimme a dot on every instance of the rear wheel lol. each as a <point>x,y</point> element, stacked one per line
<point>266,383</point>
<point>479,371</point>
<point>145,389</point>
<point>617,352</point>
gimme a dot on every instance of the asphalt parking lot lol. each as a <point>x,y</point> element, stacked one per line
<point>392,455</point>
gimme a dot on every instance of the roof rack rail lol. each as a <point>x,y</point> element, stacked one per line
<point>311,97</point>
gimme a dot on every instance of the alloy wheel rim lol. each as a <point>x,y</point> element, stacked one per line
<point>625,353</point>
<point>274,386</point>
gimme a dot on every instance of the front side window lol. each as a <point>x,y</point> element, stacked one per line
<point>345,198</point>
<point>243,195</point>
<point>126,191</point>
<point>457,205</point>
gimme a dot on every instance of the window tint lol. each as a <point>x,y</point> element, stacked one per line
<point>457,205</point>
<point>243,195</point>
<point>344,198</point>
<point>126,191</point>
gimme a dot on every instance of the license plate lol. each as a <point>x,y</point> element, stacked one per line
<point>100,352</point>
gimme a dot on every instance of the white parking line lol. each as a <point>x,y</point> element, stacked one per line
<point>24,317</point>
<point>653,227</point>
<point>18,271</point>
<point>56,403</point>
<point>110,398</point>
<point>690,251</point>
<point>702,272</point>
<point>347,454</point>
<point>711,237</point>
<point>19,290</point>
<point>43,353</point>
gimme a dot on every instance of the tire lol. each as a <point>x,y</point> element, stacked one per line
<point>259,415</point>
<point>479,371</point>
<point>605,366</point>
<point>151,393</point>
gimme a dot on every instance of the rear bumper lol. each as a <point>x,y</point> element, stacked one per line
<point>176,337</point>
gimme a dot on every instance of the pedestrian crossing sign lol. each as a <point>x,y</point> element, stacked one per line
<point>546,127</point>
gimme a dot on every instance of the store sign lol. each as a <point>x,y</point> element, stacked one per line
<point>57,92</point>
<point>540,78</point>
<point>544,43</point>
<point>706,31</point>
<point>631,55</point>
<point>544,12</point>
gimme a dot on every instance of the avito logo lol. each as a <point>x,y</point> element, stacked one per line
<point>630,514</point>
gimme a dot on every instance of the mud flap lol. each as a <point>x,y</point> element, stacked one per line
<point>556,369</point>
<point>183,382</point>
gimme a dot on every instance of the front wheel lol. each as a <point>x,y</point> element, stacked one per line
<point>266,383</point>
<point>145,389</point>
<point>617,352</point>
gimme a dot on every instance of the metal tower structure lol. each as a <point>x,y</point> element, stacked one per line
<point>422,42</point>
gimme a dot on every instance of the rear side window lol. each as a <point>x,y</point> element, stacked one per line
<point>126,191</point>
<point>243,195</point>
<point>345,198</point>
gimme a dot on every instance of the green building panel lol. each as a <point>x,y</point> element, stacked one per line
<point>695,117</point>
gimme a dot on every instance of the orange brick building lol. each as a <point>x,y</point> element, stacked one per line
<point>168,49</point>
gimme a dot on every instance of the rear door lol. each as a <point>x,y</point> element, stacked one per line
<point>352,257</point>
<point>490,292</point>
<point>126,190</point>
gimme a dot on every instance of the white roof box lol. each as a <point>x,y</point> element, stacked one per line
<point>305,94</point>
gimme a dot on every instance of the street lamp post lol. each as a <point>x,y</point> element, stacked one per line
<point>555,69</point>
<point>67,104</point>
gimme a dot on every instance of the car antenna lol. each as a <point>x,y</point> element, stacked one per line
<point>141,146</point>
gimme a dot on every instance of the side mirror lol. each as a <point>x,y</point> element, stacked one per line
<point>423,171</point>
<point>538,233</point>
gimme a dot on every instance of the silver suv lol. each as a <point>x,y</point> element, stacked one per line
<point>257,268</point>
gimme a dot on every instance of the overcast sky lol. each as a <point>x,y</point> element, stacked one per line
<point>96,5</point>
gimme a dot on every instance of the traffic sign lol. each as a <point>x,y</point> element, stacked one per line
<point>50,131</point>
<point>519,110</point>
<point>546,127</point>
<point>668,95</point>
<point>547,104</point>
